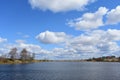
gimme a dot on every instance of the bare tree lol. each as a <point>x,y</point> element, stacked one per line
<point>13,53</point>
<point>3,58</point>
<point>24,54</point>
<point>33,56</point>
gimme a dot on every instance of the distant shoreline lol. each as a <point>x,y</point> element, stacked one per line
<point>99,59</point>
<point>53,61</point>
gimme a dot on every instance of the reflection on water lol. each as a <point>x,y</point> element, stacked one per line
<point>61,71</point>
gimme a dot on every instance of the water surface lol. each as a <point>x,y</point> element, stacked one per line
<point>61,71</point>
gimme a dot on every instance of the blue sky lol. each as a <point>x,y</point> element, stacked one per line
<point>61,29</point>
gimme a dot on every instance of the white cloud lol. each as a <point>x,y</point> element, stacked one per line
<point>113,34</point>
<point>23,35</point>
<point>113,16</point>
<point>89,20</point>
<point>3,51</point>
<point>20,41</point>
<point>26,36</point>
<point>95,20</point>
<point>52,37</point>
<point>96,43</point>
<point>30,47</point>
<point>59,5</point>
<point>89,44</point>
<point>2,40</point>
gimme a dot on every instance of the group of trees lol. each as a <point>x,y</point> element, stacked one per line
<point>105,59</point>
<point>23,55</point>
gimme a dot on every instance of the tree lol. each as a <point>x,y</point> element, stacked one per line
<point>33,56</point>
<point>119,59</point>
<point>13,53</point>
<point>3,58</point>
<point>23,54</point>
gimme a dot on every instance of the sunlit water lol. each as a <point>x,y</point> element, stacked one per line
<point>61,71</point>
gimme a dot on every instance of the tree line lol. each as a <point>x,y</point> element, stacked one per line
<point>105,59</point>
<point>13,55</point>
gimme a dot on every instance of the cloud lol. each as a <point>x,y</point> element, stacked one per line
<point>30,47</point>
<point>113,34</point>
<point>49,37</point>
<point>23,35</point>
<point>59,5</point>
<point>65,53</point>
<point>19,33</point>
<point>26,36</point>
<point>20,41</point>
<point>95,20</point>
<point>96,43</point>
<point>2,40</point>
<point>89,20</point>
<point>89,44</point>
<point>113,16</point>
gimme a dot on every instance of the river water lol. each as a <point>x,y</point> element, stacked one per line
<point>61,71</point>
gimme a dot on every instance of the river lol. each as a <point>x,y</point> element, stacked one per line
<point>61,71</point>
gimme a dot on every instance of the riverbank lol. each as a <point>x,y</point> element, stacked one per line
<point>18,61</point>
<point>99,59</point>
<point>8,61</point>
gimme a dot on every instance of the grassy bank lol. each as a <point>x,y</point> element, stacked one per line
<point>8,61</point>
<point>18,61</point>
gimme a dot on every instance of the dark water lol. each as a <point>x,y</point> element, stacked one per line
<point>61,71</point>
